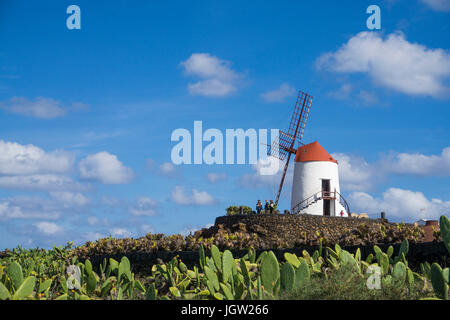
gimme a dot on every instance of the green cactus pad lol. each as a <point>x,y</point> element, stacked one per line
<point>287,277</point>
<point>270,271</point>
<point>444,225</point>
<point>227,264</point>
<point>15,273</point>
<point>399,272</point>
<point>215,253</point>
<point>292,259</point>
<point>440,287</point>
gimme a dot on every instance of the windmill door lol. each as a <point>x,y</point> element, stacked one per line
<point>326,197</point>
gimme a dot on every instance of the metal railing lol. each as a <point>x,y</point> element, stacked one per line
<point>326,195</point>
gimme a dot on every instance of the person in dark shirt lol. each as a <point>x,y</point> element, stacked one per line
<point>258,206</point>
<point>266,207</point>
<point>271,206</point>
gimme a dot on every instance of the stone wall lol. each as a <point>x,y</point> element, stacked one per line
<point>275,229</point>
<point>295,230</point>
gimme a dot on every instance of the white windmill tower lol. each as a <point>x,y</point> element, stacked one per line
<point>315,186</point>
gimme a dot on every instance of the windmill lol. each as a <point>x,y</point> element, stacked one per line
<point>284,146</point>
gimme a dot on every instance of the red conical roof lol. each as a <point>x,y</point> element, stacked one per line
<point>313,152</point>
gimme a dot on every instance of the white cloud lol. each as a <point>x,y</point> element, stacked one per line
<point>40,182</point>
<point>105,168</point>
<point>418,164</point>
<point>9,211</point>
<point>218,79</point>
<point>17,159</point>
<point>400,204</point>
<point>144,206</point>
<point>92,236</point>
<point>48,228</point>
<point>27,167</point>
<point>216,177</point>
<point>44,108</point>
<point>201,198</point>
<point>211,87</point>
<point>70,199</point>
<point>110,201</point>
<point>168,169</point>
<point>354,172</point>
<point>60,203</point>
<point>393,62</point>
<point>346,92</point>
<point>146,228</point>
<point>367,98</point>
<point>279,95</point>
<point>22,207</point>
<point>343,93</point>
<point>258,180</point>
<point>120,232</point>
<point>438,5</point>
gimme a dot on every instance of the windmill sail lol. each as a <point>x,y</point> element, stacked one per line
<point>284,145</point>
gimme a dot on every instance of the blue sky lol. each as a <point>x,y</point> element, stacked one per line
<point>86,116</point>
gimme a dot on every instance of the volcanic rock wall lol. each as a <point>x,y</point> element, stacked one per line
<point>285,230</point>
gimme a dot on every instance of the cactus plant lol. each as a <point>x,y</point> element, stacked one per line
<point>15,273</point>
<point>25,289</point>
<point>444,225</point>
<point>227,262</point>
<point>220,275</point>
<point>399,272</point>
<point>403,251</point>
<point>384,263</point>
<point>446,275</point>
<point>292,259</point>
<point>216,255</point>
<point>4,292</point>
<point>287,277</point>
<point>212,277</point>
<point>440,287</point>
<point>202,259</point>
<point>302,275</point>
<point>270,271</point>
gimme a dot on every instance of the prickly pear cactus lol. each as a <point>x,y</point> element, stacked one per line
<point>270,271</point>
<point>215,253</point>
<point>440,287</point>
<point>399,272</point>
<point>292,259</point>
<point>287,277</point>
<point>444,225</point>
<point>302,275</point>
<point>227,265</point>
<point>404,248</point>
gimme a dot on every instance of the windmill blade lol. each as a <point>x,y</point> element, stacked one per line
<point>284,146</point>
<point>300,116</point>
<point>281,146</point>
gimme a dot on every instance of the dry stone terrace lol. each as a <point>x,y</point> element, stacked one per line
<point>278,232</point>
<point>285,230</point>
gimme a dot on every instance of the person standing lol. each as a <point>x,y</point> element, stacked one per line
<point>258,206</point>
<point>271,206</point>
<point>266,207</point>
